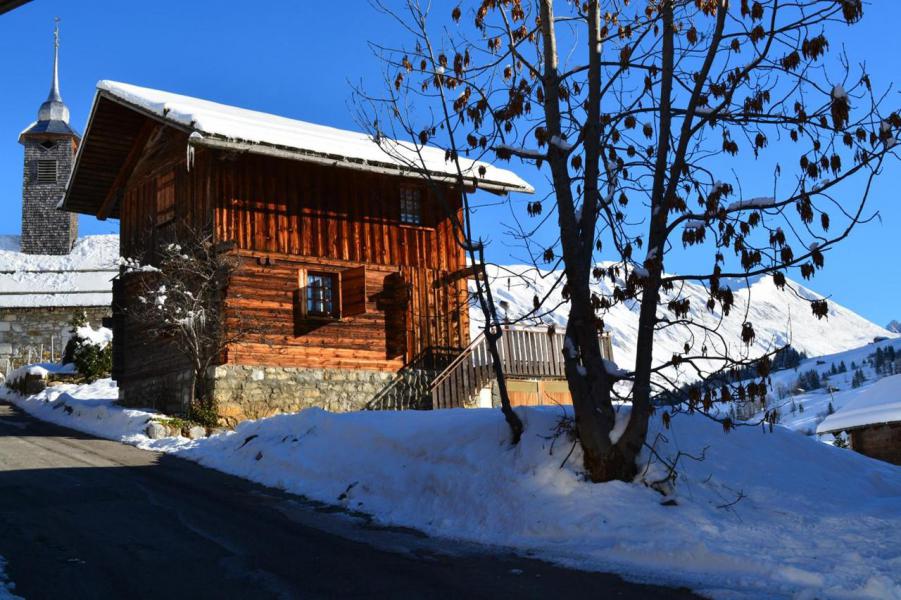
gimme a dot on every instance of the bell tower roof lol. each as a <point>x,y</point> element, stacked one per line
<point>53,116</point>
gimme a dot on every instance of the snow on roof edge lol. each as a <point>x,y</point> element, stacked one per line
<point>301,139</point>
<point>877,404</point>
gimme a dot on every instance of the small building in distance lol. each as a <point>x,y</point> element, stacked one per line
<point>348,254</point>
<point>872,419</point>
<point>47,275</point>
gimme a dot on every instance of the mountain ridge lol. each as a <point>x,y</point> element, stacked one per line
<point>779,318</point>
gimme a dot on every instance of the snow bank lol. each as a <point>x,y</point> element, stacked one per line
<point>6,586</point>
<point>875,404</point>
<point>85,274</point>
<point>762,516</point>
<point>40,369</point>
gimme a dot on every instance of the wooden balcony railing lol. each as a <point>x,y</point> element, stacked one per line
<point>524,353</point>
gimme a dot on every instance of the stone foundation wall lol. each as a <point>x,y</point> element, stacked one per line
<point>244,392</point>
<point>24,329</point>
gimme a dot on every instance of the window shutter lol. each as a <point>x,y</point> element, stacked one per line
<point>353,291</point>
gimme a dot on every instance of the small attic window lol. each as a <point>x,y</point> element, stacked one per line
<point>47,171</point>
<point>47,144</point>
<point>410,206</point>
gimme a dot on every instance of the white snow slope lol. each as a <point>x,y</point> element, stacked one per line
<point>763,515</point>
<point>85,274</point>
<point>778,318</point>
<point>805,411</point>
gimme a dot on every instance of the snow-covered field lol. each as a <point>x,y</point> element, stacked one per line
<point>778,317</point>
<point>763,515</point>
<point>803,412</point>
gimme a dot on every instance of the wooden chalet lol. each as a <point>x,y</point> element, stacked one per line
<point>347,255</point>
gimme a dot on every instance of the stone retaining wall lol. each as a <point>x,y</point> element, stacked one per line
<point>22,329</point>
<point>243,392</point>
<point>251,392</point>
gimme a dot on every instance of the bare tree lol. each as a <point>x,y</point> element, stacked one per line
<point>649,118</point>
<point>180,302</point>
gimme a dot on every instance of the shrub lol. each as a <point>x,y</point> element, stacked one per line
<point>91,351</point>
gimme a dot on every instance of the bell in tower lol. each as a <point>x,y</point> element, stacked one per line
<point>50,146</point>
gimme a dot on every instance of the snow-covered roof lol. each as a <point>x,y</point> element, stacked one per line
<point>253,131</point>
<point>80,278</point>
<point>873,405</point>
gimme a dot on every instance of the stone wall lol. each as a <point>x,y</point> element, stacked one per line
<point>46,230</point>
<point>243,392</point>
<point>24,329</point>
<point>249,392</point>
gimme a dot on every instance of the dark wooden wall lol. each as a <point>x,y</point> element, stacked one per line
<point>284,216</point>
<point>313,217</point>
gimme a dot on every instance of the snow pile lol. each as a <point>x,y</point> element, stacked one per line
<point>778,317</point>
<point>42,370</point>
<point>357,150</point>
<point>90,408</point>
<point>875,404</point>
<point>6,586</point>
<point>763,515</point>
<point>80,278</point>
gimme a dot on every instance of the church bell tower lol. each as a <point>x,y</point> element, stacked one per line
<point>50,145</point>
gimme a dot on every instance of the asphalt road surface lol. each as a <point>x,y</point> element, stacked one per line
<point>82,517</point>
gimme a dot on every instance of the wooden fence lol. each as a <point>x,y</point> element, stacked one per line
<point>524,353</point>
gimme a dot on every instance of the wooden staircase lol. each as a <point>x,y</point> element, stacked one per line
<point>524,354</point>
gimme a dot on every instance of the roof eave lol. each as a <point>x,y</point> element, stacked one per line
<point>201,139</point>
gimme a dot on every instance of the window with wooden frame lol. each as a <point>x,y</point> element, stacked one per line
<point>331,294</point>
<point>322,295</point>
<point>165,199</point>
<point>47,171</point>
<point>411,205</point>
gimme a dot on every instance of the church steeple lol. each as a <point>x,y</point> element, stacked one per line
<point>50,145</point>
<point>53,116</point>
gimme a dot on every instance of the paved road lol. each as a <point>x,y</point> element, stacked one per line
<point>87,518</point>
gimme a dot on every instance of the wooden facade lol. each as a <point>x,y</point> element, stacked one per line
<point>284,219</point>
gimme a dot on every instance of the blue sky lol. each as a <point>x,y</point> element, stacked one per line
<point>300,59</point>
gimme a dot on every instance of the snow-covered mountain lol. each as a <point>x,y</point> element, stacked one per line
<point>779,318</point>
<point>894,326</point>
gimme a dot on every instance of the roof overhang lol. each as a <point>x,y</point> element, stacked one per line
<point>112,111</point>
<point>8,5</point>
<point>382,168</point>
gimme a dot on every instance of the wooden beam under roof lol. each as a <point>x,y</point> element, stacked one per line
<point>112,195</point>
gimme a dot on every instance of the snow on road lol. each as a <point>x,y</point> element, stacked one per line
<point>763,515</point>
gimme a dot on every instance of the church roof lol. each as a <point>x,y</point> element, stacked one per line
<point>53,115</point>
<point>81,278</point>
